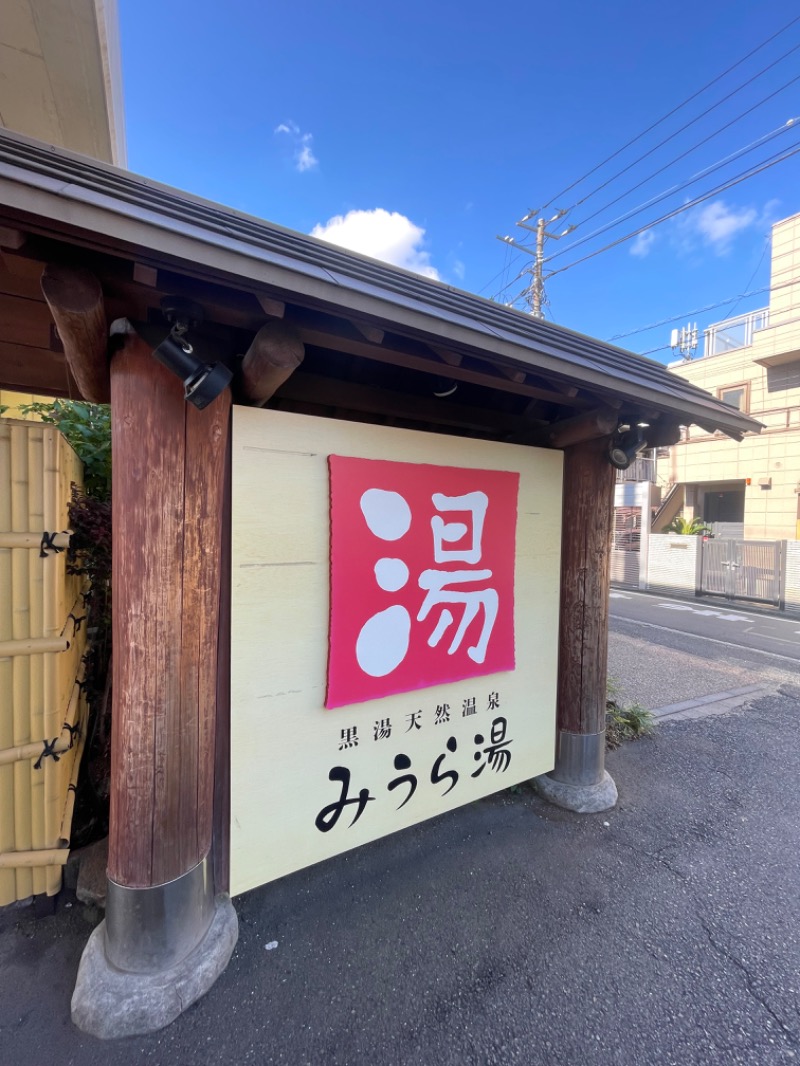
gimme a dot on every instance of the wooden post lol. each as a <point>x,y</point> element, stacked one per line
<point>579,780</point>
<point>168,481</point>
<point>163,925</point>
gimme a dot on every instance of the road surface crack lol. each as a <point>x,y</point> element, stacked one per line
<point>721,950</point>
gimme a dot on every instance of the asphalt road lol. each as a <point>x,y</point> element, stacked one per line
<point>663,651</point>
<point>509,932</point>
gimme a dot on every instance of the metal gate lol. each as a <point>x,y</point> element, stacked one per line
<point>626,546</point>
<point>742,570</point>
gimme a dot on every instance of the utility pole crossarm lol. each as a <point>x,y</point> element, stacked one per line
<point>535,292</point>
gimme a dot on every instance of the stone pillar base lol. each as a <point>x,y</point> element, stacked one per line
<point>583,799</point>
<point>110,1003</point>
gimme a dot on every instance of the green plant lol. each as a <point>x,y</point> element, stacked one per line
<point>89,554</point>
<point>627,723</point>
<point>693,527</point>
<point>624,721</point>
<point>87,427</point>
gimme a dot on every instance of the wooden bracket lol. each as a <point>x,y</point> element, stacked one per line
<point>276,352</point>
<point>598,423</point>
<point>76,303</point>
<point>145,275</point>
<point>273,308</point>
<point>662,436</point>
<point>369,333</point>
<point>451,358</point>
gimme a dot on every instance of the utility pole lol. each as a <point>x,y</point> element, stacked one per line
<point>537,289</point>
<point>535,292</point>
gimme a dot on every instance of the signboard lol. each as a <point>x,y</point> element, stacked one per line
<point>394,631</point>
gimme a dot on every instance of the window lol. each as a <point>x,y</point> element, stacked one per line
<point>736,396</point>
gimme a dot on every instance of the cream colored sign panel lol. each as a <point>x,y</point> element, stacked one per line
<point>309,781</point>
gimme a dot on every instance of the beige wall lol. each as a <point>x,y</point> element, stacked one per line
<point>770,368</point>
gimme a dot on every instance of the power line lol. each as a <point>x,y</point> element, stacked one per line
<point>676,188</point>
<point>683,155</point>
<point>686,126</point>
<point>752,276</point>
<point>669,114</point>
<point>651,351</point>
<point>504,270</point>
<point>771,162</point>
<point>708,307</point>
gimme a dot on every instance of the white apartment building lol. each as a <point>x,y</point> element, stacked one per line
<point>752,489</point>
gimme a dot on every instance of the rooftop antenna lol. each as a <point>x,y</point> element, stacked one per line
<point>684,340</point>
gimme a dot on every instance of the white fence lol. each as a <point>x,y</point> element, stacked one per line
<point>792,576</point>
<point>671,563</point>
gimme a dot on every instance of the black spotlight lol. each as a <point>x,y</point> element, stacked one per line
<point>624,447</point>
<point>202,382</point>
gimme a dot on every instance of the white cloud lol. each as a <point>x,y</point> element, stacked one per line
<point>643,243</point>
<point>459,269</point>
<point>304,158</point>
<point>715,226</point>
<point>718,224</point>
<point>382,234</point>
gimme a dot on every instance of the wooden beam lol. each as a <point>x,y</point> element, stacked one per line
<point>599,423</point>
<point>24,322</point>
<point>12,238</point>
<point>75,299</point>
<point>369,333</point>
<point>393,357</point>
<point>350,396</point>
<point>23,266</point>
<point>276,352</point>
<point>20,285</point>
<point>223,304</point>
<point>38,370</point>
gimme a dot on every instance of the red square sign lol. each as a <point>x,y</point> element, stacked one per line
<point>422,576</point>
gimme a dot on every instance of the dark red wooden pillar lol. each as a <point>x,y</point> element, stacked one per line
<point>168,495</point>
<point>164,927</point>
<point>579,780</point>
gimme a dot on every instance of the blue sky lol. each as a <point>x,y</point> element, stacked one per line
<point>418,132</point>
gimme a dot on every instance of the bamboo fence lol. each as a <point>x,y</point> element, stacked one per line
<point>42,643</point>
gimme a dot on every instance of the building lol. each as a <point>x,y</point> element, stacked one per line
<point>60,75</point>
<point>752,362</point>
<point>328,337</point>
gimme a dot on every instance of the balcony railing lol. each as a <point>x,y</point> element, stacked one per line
<point>641,469</point>
<point>735,333</point>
